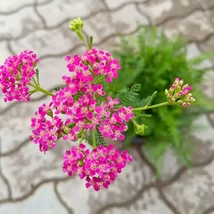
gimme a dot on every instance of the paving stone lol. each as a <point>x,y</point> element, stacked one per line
<point>3,189</point>
<point>19,24</point>
<point>160,11</point>
<point>11,5</point>
<point>203,140</point>
<point>74,193</point>
<point>15,124</point>
<point>33,168</point>
<point>210,117</point>
<point>103,25</point>
<point>43,201</point>
<point>170,165</point>
<point>4,52</point>
<point>205,132</point>
<point>208,80</point>
<point>115,4</point>
<point>198,188</point>
<point>68,10</point>
<point>133,178</point>
<point>208,45</point>
<point>195,27</point>
<point>44,1</point>
<point>210,170</point>
<point>149,203</point>
<point>207,4</point>
<point>48,42</point>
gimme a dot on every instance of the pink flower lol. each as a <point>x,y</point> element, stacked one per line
<point>103,63</point>
<point>179,94</point>
<point>98,167</point>
<point>45,131</point>
<point>15,75</point>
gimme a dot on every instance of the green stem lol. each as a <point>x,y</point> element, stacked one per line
<point>38,88</point>
<point>86,44</point>
<point>34,81</point>
<point>150,107</point>
<point>97,81</point>
<point>94,139</point>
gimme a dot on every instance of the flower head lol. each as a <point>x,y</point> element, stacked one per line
<point>99,167</point>
<point>179,94</point>
<point>45,130</point>
<point>15,75</point>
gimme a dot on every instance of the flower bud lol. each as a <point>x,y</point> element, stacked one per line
<point>179,94</point>
<point>76,24</point>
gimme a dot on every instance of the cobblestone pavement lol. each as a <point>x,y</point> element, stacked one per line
<point>31,182</point>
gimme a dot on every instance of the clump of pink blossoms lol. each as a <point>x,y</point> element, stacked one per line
<point>78,101</point>
<point>83,113</point>
<point>179,94</point>
<point>15,75</point>
<point>98,167</point>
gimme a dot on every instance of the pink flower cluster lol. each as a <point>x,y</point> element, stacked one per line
<point>45,131</point>
<point>15,75</point>
<point>98,167</point>
<point>179,93</point>
<point>103,63</point>
<point>100,61</point>
<point>78,101</point>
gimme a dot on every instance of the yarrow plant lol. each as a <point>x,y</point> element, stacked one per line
<point>81,111</point>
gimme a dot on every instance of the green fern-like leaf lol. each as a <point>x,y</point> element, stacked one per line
<point>151,98</point>
<point>135,87</point>
<point>57,88</point>
<point>128,97</point>
<point>37,75</point>
<point>98,136</point>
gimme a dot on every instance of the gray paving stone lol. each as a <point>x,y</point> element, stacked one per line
<point>197,188</point>
<point>11,5</point>
<point>208,45</point>
<point>48,42</point>
<point>149,203</point>
<point>19,24</point>
<point>160,11</point>
<point>4,52</point>
<point>208,80</point>
<point>170,165</point>
<point>206,131</point>
<point>75,195</point>
<point>195,27</point>
<point>203,140</point>
<point>3,190</point>
<point>44,1</point>
<point>115,4</point>
<point>43,201</point>
<point>67,10</point>
<point>34,167</point>
<point>206,3</point>
<point>103,25</point>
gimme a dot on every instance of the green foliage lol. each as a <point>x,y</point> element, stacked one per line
<point>130,97</point>
<point>37,76</point>
<point>57,88</point>
<point>98,136</point>
<point>153,61</point>
<point>91,42</point>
